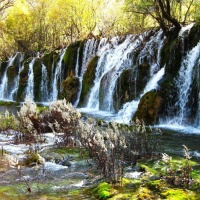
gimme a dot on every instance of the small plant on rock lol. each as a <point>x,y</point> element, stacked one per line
<point>178,174</point>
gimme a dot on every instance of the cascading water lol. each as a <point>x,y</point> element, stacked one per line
<point>4,93</point>
<point>77,63</point>
<point>114,59</point>
<point>44,85</point>
<point>129,108</point>
<point>184,84</point>
<point>57,77</point>
<point>89,51</point>
<point>197,121</point>
<point>148,52</point>
<point>30,82</point>
<point>16,79</point>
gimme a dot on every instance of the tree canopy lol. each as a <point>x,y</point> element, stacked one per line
<point>40,25</point>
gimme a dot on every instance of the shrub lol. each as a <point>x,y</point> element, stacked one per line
<point>115,146</point>
<point>62,117</point>
<point>8,122</point>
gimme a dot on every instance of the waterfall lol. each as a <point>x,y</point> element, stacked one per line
<point>197,122</point>
<point>30,82</point>
<point>114,58</point>
<point>77,63</point>
<point>129,108</point>
<point>76,75</point>
<point>148,53</point>
<point>4,93</point>
<point>14,89</point>
<point>89,51</point>
<point>44,85</point>
<point>184,83</point>
<point>57,77</point>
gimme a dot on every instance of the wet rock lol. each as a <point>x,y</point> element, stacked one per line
<point>149,108</point>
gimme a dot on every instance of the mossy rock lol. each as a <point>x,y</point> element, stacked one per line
<point>177,194</point>
<point>70,89</point>
<point>70,57</point>
<point>33,159</point>
<point>155,185</point>
<point>171,55</point>
<point>37,70</point>
<point>88,80</point>
<point>144,194</point>
<point>150,106</point>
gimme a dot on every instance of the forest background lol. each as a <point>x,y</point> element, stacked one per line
<point>46,25</point>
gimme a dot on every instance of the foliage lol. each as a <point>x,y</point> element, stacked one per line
<point>29,123</point>
<point>164,13</point>
<point>8,122</point>
<point>62,117</point>
<point>178,175</point>
<point>115,146</point>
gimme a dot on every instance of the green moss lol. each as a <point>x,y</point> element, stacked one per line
<point>42,108</point>
<point>70,89</point>
<point>9,103</point>
<point>32,159</point>
<point>88,80</point>
<point>177,194</point>
<point>79,152</point>
<point>155,185</point>
<point>70,57</point>
<point>104,191</point>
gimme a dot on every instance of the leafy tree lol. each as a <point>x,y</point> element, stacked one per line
<point>166,13</point>
<point>18,26</point>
